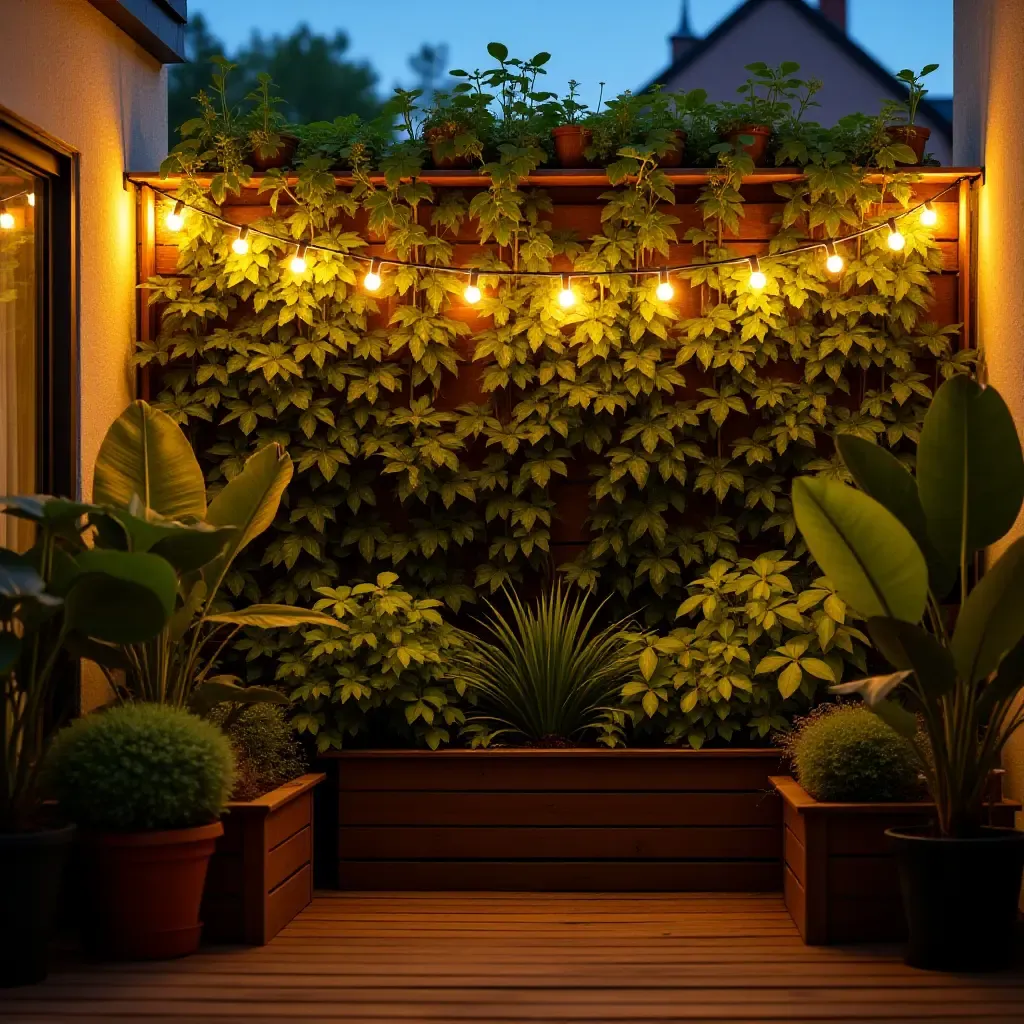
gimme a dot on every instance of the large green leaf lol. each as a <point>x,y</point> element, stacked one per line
<point>970,471</point>
<point>18,576</point>
<point>1007,682</point>
<point>226,689</point>
<point>865,551</point>
<point>269,616</point>
<point>874,690</point>
<point>907,646</point>
<point>146,454</point>
<point>883,477</point>
<point>120,597</point>
<point>991,621</point>
<point>187,546</point>
<point>249,503</point>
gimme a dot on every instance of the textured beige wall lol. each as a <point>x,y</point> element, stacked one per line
<point>68,70</point>
<point>989,75</point>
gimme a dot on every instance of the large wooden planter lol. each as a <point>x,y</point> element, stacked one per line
<point>840,878</point>
<point>261,874</point>
<point>559,820</point>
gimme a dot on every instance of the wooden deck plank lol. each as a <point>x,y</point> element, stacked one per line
<point>509,958</point>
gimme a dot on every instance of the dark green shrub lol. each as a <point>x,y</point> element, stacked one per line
<point>141,766</point>
<point>847,753</point>
<point>267,754</point>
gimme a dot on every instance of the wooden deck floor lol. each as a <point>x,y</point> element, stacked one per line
<point>526,957</point>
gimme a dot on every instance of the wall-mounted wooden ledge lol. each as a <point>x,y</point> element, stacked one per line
<point>595,177</point>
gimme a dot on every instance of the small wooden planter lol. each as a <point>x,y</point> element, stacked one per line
<point>840,878</point>
<point>664,820</point>
<point>261,874</point>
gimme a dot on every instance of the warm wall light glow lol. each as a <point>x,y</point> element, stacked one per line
<point>757,279</point>
<point>896,240</point>
<point>176,218</point>
<point>929,217</point>
<point>664,291</point>
<point>372,280</point>
<point>834,262</point>
<point>472,294</point>
<point>241,244</point>
<point>298,263</point>
<point>6,219</point>
<point>566,296</point>
<point>31,199</point>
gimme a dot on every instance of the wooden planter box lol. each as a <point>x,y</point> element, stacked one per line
<point>261,874</point>
<point>559,820</point>
<point>841,882</point>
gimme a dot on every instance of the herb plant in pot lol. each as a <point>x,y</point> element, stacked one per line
<point>455,126</point>
<point>572,138</point>
<point>894,550</point>
<point>57,600</point>
<point>271,145</point>
<point>146,785</point>
<point>913,135</point>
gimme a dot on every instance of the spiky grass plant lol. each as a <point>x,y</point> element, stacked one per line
<point>547,672</point>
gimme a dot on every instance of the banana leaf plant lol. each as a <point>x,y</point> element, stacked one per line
<point>897,549</point>
<point>56,599</point>
<point>153,498</point>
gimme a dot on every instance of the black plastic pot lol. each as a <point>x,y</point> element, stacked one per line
<point>960,897</point>
<point>31,866</point>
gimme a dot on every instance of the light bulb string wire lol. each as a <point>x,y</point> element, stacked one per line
<point>17,195</point>
<point>679,268</point>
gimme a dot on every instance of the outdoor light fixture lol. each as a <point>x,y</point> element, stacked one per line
<point>566,297</point>
<point>664,291</point>
<point>6,218</point>
<point>176,218</point>
<point>896,240</point>
<point>241,244</point>
<point>928,215</point>
<point>372,280</point>
<point>757,280</point>
<point>833,262</point>
<point>298,263</point>
<point>472,294</point>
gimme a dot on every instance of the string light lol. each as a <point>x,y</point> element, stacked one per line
<point>6,218</point>
<point>241,244</point>
<point>566,296</point>
<point>664,291</point>
<point>176,218</point>
<point>472,294</point>
<point>896,240</point>
<point>757,279</point>
<point>833,262</point>
<point>929,217</point>
<point>31,199</point>
<point>298,263</point>
<point>372,280</point>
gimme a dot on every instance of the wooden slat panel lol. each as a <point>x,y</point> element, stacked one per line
<point>795,854</point>
<point>285,859</point>
<point>796,900</point>
<point>283,823</point>
<point>287,900</point>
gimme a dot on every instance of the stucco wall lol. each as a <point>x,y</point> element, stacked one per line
<point>69,70</point>
<point>774,33</point>
<point>989,72</point>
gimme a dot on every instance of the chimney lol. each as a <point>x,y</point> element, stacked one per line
<point>835,11</point>
<point>684,38</point>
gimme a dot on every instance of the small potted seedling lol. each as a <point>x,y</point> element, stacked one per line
<point>910,134</point>
<point>749,125</point>
<point>571,137</point>
<point>271,146</point>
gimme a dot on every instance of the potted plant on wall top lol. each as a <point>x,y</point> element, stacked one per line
<point>572,137</point>
<point>894,550</point>
<point>913,135</point>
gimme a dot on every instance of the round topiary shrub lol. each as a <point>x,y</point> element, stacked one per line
<point>139,767</point>
<point>267,752</point>
<point>846,753</point>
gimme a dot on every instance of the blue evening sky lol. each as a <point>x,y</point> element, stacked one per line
<point>623,43</point>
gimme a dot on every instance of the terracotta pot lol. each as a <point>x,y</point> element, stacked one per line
<point>674,157</point>
<point>144,891</point>
<point>570,142</point>
<point>757,148</point>
<point>912,135</point>
<point>282,158</point>
<point>435,138</point>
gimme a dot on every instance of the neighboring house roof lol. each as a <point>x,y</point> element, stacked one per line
<point>158,26</point>
<point>936,112</point>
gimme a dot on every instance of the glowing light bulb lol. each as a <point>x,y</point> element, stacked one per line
<point>176,218</point>
<point>929,217</point>
<point>472,294</point>
<point>834,263</point>
<point>31,199</point>
<point>896,240</point>
<point>757,279</point>
<point>298,263</point>
<point>664,291</point>
<point>6,219</point>
<point>372,280</point>
<point>566,296</point>
<point>241,244</point>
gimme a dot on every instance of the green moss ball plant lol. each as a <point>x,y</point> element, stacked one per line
<point>845,753</point>
<point>141,767</point>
